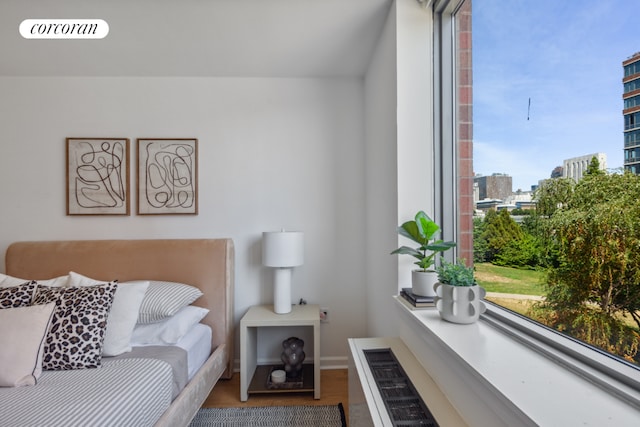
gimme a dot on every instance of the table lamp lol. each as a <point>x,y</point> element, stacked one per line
<point>282,250</point>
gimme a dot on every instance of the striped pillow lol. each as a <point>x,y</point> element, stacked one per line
<point>164,299</point>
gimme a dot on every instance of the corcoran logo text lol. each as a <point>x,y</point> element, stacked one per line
<point>64,29</point>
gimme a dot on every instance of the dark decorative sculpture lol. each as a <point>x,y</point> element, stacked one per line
<point>293,356</point>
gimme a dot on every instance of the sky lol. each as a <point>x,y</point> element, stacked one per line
<point>564,55</point>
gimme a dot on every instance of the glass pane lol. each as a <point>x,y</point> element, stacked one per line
<point>554,231</point>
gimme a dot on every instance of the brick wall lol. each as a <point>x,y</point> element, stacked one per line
<point>465,132</point>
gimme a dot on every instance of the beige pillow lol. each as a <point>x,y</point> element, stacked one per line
<point>22,334</point>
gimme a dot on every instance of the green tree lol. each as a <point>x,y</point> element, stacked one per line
<point>553,194</point>
<point>480,246</point>
<point>599,245</point>
<point>594,167</point>
<point>596,230</point>
<point>500,230</point>
<point>524,252</point>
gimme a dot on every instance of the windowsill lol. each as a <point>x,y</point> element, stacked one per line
<point>494,374</point>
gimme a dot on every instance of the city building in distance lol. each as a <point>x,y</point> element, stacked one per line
<point>496,186</point>
<point>631,113</point>
<point>577,166</point>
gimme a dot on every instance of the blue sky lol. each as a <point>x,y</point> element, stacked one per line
<point>566,55</point>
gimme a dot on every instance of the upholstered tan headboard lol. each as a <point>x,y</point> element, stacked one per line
<point>205,263</point>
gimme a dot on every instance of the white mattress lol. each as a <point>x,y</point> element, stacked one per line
<point>197,343</point>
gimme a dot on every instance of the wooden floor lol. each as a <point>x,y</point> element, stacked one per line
<point>333,390</point>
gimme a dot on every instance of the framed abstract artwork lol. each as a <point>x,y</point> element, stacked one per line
<point>167,176</point>
<point>97,176</point>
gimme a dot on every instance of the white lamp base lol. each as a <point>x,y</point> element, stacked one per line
<point>282,291</point>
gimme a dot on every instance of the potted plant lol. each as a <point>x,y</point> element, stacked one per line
<point>458,296</point>
<point>422,230</point>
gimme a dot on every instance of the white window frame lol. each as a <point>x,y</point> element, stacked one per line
<point>445,119</point>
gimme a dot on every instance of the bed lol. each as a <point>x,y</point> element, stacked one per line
<point>207,264</point>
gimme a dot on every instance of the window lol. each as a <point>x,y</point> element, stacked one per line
<point>631,121</point>
<point>632,69</point>
<point>547,95</point>
<point>632,138</point>
<point>504,336</point>
<point>634,101</point>
<point>632,85</point>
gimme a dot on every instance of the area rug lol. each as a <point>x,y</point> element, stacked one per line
<point>272,416</point>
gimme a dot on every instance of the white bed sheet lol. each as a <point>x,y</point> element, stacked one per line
<point>197,343</point>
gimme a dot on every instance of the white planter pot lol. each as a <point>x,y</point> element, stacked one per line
<point>460,304</point>
<point>422,283</point>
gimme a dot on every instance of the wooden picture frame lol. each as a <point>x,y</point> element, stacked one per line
<point>97,176</point>
<point>167,176</point>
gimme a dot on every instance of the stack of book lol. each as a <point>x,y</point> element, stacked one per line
<point>416,300</point>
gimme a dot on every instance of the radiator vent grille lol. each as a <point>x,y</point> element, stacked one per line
<point>404,405</point>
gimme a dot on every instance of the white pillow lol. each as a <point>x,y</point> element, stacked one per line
<point>77,280</point>
<point>168,331</point>
<point>123,315</point>
<point>9,281</point>
<point>22,334</point>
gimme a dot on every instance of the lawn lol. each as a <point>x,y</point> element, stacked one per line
<point>509,280</point>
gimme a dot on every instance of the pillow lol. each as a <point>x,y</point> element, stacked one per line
<point>168,331</point>
<point>76,334</point>
<point>164,299</point>
<point>22,334</point>
<point>123,315</point>
<point>17,296</point>
<point>8,281</point>
<point>77,280</point>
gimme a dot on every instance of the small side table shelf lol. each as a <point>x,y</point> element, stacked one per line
<point>253,376</point>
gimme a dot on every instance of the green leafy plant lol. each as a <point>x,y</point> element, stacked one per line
<point>456,274</point>
<point>422,231</point>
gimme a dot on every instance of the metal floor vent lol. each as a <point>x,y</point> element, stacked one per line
<point>404,405</point>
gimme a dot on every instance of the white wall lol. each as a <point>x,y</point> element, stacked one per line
<point>381,180</point>
<point>416,185</point>
<point>272,153</point>
<point>399,153</point>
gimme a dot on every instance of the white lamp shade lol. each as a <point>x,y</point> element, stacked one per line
<point>282,248</point>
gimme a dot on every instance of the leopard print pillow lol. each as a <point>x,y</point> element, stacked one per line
<point>76,333</point>
<point>17,296</point>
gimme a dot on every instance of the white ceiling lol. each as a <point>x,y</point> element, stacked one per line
<point>265,38</point>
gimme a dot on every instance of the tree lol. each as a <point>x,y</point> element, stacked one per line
<point>597,232</point>
<point>553,194</point>
<point>480,246</point>
<point>520,253</point>
<point>500,230</point>
<point>594,167</point>
<point>594,229</point>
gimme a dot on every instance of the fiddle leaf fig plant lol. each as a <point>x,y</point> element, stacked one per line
<point>422,231</point>
<point>457,274</point>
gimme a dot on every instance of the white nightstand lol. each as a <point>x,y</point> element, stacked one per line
<point>252,376</point>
